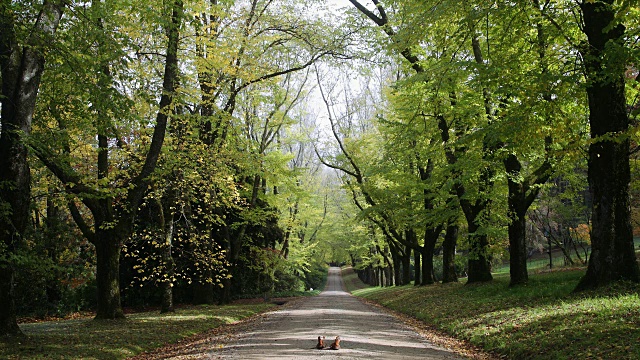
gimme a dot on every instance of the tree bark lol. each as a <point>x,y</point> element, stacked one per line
<point>397,274</point>
<point>517,230</point>
<point>449,273</point>
<point>22,66</point>
<point>612,254</point>
<point>428,250</point>
<point>411,238</point>
<point>522,193</point>
<point>388,279</point>
<point>108,275</point>
<point>479,265</point>
<point>431,231</point>
<point>517,251</point>
<point>395,264</point>
<point>8,320</point>
<point>166,304</point>
<point>406,266</point>
<point>417,267</point>
<point>235,241</point>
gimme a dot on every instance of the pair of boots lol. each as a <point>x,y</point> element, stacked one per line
<point>335,345</point>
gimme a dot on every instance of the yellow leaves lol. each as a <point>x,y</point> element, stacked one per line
<point>581,232</point>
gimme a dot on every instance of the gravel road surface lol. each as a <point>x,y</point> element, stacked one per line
<point>291,332</point>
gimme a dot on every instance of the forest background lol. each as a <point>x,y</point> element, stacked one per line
<point>202,151</point>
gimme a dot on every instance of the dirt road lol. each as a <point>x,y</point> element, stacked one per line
<point>366,332</point>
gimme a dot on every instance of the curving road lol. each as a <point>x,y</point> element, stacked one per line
<point>366,332</point>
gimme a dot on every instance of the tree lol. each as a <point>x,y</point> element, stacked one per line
<point>113,211</point>
<point>473,209</point>
<point>521,122</point>
<point>22,60</point>
<point>612,253</point>
<point>241,49</point>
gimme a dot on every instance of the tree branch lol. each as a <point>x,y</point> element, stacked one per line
<point>141,182</point>
<point>380,21</point>
<point>331,165</point>
<point>79,220</point>
<point>383,22</point>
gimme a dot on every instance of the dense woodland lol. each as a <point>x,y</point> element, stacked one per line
<point>182,151</point>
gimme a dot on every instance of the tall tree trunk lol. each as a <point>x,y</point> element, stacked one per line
<point>109,243</point>
<point>517,235</point>
<point>417,268</point>
<point>524,189</point>
<point>517,251</point>
<point>293,215</point>
<point>21,62</point>
<point>479,264</point>
<point>8,320</point>
<point>428,250</point>
<point>449,273</point>
<point>406,266</point>
<point>612,254</point>
<point>108,246</point>
<point>166,304</point>
<point>549,246</point>
<point>412,239</point>
<point>479,267</point>
<point>428,276</point>
<point>388,276</point>
<point>397,273</point>
<point>522,193</point>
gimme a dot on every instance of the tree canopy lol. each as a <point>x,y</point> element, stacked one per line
<point>199,152</point>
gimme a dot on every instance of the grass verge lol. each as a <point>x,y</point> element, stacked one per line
<point>543,320</point>
<point>120,339</point>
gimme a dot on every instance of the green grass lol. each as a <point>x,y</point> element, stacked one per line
<point>543,320</point>
<point>540,264</point>
<point>351,281</point>
<point>120,339</point>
